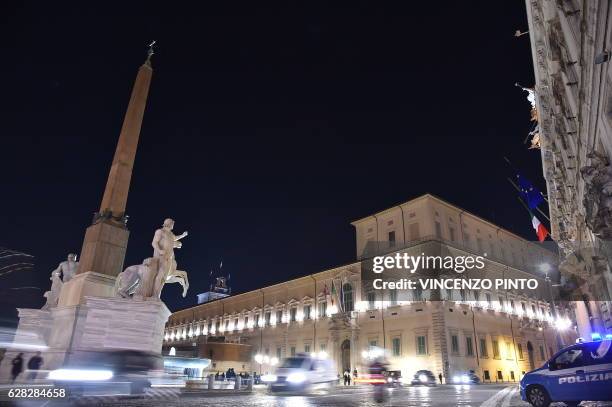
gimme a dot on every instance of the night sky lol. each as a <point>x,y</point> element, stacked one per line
<point>268,129</point>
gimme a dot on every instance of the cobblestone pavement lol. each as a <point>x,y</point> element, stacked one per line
<point>441,396</point>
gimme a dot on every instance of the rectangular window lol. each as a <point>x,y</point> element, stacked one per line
<point>496,349</point>
<point>509,354</point>
<point>246,322</point>
<point>542,356</point>
<point>469,346</point>
<point>307,309</point>
<point>268,317</point>
<point>322,309</point>
<point>279,317</point>
<point>307,348</point>
<point>454,344</point>
<point>256,320</point>
<point>452,234</point>
<point>373,343</point>
<point>236,323</point>
<point>293,314</point>
<point>512,376</point>
<point>487,375</point>
<point>438,230</point>
<point>501,303</point>
<point>226,324</point>
<point>488,296</point>
<point>479,245</point>
<point>421,343</point>
<point>519,347</point>
<point>476,296</point>
<point>392,238</point>
<point>371,300</point>
<point>500,376</point>
<point>293,351</point>
<point>397,346</point>
<point>323,347</point>
<point>279,352</point>
<point>393,297</point>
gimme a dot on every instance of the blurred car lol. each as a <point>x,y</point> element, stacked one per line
<point>108,372</point>
<point>394,378</point>
<point>423,378</point>
<point>300,372</point>
<point>466,378</point>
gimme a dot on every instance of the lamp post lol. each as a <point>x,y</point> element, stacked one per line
<point>545,268</point>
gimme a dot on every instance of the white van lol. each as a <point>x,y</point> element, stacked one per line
<point>300,372</point>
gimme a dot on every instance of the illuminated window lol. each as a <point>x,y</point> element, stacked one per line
<point>322,309</point>
<point>347,297</point>
<point>393,297</point>
<point>268,317</point>
<point>496,349</point>
<point>307,314</point>
<point>454,344</point>
<point>279,317</point>
<point>396,346</point>
<point>371,300</point>
<point>469,346</point>
<point>421,345</point>
<point>307,348</point>
<point>293,314</point>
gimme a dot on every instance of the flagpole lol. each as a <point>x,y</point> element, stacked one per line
<point>536,208</point>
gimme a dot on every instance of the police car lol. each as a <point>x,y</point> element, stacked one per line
<point>581,372</point>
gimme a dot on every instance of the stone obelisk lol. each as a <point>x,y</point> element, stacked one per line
<point>105,242</point>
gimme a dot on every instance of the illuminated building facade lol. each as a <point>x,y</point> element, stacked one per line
<point>496,334</point>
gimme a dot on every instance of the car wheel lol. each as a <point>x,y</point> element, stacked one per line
<point>538,396</point>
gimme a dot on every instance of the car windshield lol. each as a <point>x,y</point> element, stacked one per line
<point>292,363</point>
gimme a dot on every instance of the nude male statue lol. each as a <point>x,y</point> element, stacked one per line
<point>164,243</point>
<point>68,268</point>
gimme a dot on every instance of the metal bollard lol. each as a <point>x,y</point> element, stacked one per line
<point>211,382</point>
<point>237,383</point>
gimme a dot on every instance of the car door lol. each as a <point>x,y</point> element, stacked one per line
<point>566,377</point>
<point>598,370</point>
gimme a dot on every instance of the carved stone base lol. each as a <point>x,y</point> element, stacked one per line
<point>86,284</point>
<point>98,323</point>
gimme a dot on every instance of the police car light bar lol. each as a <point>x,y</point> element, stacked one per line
<point>608,337</point>
<point>596,336</point>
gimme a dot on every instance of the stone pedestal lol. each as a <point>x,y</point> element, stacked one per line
<point>97,324</point>
<point>86,284</point>
<point>118,323</point>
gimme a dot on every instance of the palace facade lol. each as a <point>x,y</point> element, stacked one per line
<point>499,335</point>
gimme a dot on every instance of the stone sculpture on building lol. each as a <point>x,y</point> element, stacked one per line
<point>598,194</point>
<point>146,280</point>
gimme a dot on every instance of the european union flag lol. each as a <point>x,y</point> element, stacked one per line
<point>529,193</point>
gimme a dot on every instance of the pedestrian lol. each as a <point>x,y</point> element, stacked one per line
<point>17,368</point>
<point>440,377</point>
<point>34,364</point>
<point>354,376</point>
<point>348,377</point>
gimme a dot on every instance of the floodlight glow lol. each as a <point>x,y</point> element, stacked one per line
<point>297,377</point>
<point>80,375</point>
<point>268,378</point>
<point>423,378</point>
<point>544,267</point>
<point>259,358</point>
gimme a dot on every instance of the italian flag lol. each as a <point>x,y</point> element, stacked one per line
<point>539,228</point>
